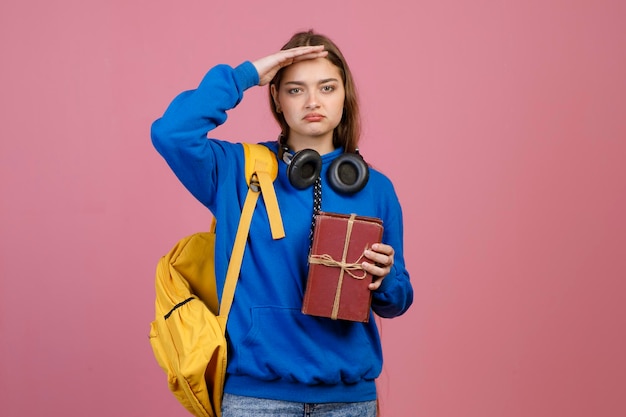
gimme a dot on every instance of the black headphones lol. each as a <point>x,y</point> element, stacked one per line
<point>347,174</point>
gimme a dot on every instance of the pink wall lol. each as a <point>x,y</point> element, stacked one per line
<point>502,123</point>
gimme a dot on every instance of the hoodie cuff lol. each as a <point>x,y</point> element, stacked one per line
<point>246,75</point>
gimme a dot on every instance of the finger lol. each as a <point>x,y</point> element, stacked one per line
<point>312,55</point>
<point>376,270</point>
<point>301,50</point>
<point>376,284</point>
<point>378,258</point>
<point>300,56</point>
<point>383,248</point>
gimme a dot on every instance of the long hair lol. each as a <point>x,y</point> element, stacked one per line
<point>347,134</point>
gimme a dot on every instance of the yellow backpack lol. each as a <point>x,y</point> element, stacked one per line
<point>188,335</point>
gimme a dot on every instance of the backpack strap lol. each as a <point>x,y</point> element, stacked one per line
<point>261,170</point>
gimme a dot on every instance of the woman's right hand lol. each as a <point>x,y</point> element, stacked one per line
<point>268,67</point>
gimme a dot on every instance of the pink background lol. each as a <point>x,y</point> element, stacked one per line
<point>502,124</point>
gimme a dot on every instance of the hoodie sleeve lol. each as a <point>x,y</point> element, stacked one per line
<point>180,135</point>
<point>395,295</point>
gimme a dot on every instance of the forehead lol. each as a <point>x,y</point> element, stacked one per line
<point>311,70</point>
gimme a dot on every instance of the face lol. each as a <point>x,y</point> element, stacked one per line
<point>311,97</point>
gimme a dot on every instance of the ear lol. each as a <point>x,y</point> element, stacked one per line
<point>274,93</point>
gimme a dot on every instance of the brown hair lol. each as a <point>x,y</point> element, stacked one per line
<point>348,132</point>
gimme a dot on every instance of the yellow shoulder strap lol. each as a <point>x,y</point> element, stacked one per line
<point>261,162</point>
<point>261,170</point>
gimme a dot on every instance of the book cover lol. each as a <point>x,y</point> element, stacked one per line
<point>337,286</point>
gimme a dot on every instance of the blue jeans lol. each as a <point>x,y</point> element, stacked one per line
<point>238,406</point>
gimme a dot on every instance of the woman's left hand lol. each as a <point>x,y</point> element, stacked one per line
<point>381,257</point>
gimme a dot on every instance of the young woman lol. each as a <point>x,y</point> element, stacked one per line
<point>281,361</point>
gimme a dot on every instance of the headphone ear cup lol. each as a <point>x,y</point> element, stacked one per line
<point>348,174</point>
<point>304,168</point>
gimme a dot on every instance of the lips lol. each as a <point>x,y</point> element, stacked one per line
<point>313,117</point>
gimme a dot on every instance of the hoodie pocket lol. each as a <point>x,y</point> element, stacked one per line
<point>285,344</point>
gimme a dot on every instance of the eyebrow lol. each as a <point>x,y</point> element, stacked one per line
<point>324,81</point>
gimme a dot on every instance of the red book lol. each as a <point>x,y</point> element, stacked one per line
<point>337,286</point>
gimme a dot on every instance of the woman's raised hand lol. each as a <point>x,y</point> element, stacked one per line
<point>268,67</point>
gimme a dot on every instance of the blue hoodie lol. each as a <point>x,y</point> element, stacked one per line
<point>275,351</point>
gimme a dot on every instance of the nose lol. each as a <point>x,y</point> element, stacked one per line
<point>312,102</point>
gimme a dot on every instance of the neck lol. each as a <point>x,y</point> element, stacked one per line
<point>322,145</point>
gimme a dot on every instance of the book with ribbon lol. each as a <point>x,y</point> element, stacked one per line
<point>337,285</point>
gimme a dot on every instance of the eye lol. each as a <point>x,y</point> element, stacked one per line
<point>328,88</point>
<point>295,90</point>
